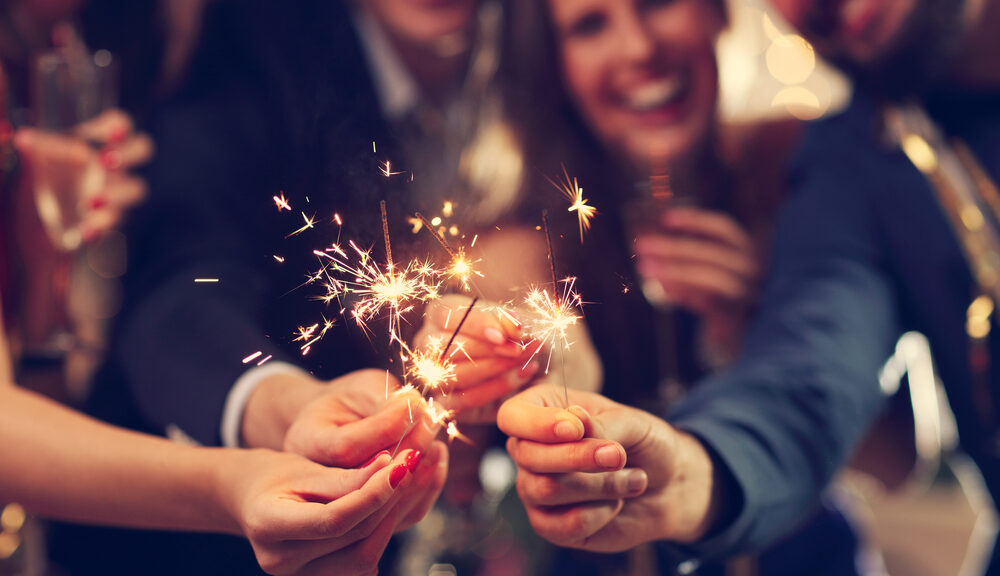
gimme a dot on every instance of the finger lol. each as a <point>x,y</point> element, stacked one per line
<point>707,224</point>
<point>534,415</point>
<point>428,481</point>
<point>358,559</point>
<point>579,487</point>
<point>492,390</point>
<point>713,281</point>
<point>352,444</point>
<point>469,374</point>
<point>696,251</point>
<point>480,324</point>
<point>571,525</point>
<point>96,223</point>
<point>465,348</point>
<point>120,192</point>
<point>587,455</point>
<point>36,146</point>
<point>108,127</point>
<point>134,151</point>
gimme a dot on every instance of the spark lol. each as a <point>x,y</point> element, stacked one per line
<point>571,189</point>
<point>386,169</point>
<point>206,280</point>
<point>279,259</point>
<point>461,268</point>
<point>550,318</point>
<point>310,222</point>
<point>265,360</point>
<point>282,202</point>
<point>252,357</point>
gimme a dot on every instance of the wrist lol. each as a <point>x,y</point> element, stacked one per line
<point>694,492</point>
<point>229,468</point>
<point>273,406</point>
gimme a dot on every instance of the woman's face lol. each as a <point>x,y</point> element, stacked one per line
<point>642,73</point>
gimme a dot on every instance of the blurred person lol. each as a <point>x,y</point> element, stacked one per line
<point>685,212</point>
<point>300,517</point>
<point>309,100</point>
<point>872,243</point>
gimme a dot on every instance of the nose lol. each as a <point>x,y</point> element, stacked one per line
<point>634,39</point>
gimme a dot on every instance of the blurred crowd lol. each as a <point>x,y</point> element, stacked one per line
<point>188,387</point>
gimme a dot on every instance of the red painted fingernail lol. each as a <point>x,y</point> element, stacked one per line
<point>110,159</point>
<point>118,135</point>
<point>374,458</point>
<point>413,459</point>
<point>397,474</point>
<point>97,202</point>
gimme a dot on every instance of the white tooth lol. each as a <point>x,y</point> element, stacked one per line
<point>655,94</point>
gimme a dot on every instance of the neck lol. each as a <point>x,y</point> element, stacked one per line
<point>437,69</point>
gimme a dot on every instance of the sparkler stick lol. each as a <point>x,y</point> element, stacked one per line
<point>552,259</point>
<point>385,236</point>
<point>444,351</point>
<point>555,295</point>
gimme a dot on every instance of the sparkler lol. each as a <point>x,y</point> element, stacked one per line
<point>461,268</point>
<point>574,193</point>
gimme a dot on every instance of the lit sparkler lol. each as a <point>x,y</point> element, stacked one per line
<point>461,268</point>
<point>574,193</point>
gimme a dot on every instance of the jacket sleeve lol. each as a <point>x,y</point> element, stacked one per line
<point>784,418</point>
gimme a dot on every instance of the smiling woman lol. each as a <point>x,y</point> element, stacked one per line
<point>641,73</point>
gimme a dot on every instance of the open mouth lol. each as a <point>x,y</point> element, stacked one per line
<point>662,94</point>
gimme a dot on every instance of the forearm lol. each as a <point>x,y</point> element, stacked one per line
<point>66,465</point>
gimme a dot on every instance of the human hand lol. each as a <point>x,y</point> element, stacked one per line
<point>573,479</point>
<point>704,261</point>
<point>68,158</point>
<point>490,362</point>
<point>302,518</point>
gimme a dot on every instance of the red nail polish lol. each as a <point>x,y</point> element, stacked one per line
<point>397,474</point>
<point>110,159</point>
<point>413,459</point>
<point>374,458</point>
<point>97,202</point>
<point>118,135</point>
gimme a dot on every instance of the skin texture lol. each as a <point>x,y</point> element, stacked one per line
<point>603,476</point>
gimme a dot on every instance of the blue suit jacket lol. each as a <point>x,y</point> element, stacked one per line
<point>863,252</point>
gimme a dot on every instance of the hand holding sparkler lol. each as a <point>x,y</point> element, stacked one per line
<point>487,357</point>
<point>303,518</point>
<point>573,480</point>
<point>340,423</point>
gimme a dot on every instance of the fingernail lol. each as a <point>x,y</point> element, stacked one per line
<point>118,135</point>
<point>111,159</point>
<point>97,202</point>
<point>609,456</point>
<point>397,474</point>
<point>413,460</point>
<point>567,430</point>
<point>493,335</point>
<point>636,482</point>
<point>375,457</point>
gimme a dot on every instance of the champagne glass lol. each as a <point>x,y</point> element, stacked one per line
<point>70,86</point>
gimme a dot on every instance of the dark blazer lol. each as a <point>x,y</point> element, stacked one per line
<point>279,99</point>
<point>863,252</point>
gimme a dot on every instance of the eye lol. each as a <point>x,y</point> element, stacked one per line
<point>587,25</point>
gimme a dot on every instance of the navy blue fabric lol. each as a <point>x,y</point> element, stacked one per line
<point>863,252</point>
